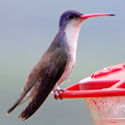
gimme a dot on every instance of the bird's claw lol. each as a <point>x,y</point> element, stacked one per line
<point>57,93</point>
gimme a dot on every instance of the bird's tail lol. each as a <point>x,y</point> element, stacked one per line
<point>18,101</point>
<point>37,100</point>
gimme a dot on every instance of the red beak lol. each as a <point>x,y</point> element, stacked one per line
<point>85,16</point>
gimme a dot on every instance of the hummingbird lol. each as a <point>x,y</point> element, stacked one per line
<point>55,65</point>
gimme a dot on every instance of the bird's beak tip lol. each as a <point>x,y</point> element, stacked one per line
<point>112,14</point>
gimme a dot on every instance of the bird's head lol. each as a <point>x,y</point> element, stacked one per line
<point>75,18</point>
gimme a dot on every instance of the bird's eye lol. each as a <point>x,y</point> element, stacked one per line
<point>71,16</point>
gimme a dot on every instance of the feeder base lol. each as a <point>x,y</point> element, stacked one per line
<point>110,122</point>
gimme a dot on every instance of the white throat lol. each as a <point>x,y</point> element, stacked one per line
<point>72,32</point>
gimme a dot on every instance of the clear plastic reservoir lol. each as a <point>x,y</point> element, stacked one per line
<point>107,110</point>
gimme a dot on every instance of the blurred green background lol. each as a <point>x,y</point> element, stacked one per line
<point>26,29</point>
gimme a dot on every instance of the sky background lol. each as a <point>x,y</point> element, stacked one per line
<point>26,29</point>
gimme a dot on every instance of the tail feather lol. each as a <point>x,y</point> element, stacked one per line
<point>36,102</point>
<point>46,86</point>
<point>14,106</point>
<point>19,100</point>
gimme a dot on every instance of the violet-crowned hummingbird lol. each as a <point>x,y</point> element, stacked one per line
<point>55,65</point>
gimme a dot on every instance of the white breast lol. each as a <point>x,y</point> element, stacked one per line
<point>72,32</point>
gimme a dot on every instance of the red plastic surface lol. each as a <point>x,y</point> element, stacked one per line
<point>109,81</point>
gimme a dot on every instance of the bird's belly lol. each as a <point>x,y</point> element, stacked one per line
<point>68,70</point>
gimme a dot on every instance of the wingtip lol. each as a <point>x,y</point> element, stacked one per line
<point>21,118</point>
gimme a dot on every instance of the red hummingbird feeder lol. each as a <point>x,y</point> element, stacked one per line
<point>104,92</point>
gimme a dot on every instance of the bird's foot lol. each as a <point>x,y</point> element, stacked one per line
<point>57,93</point>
